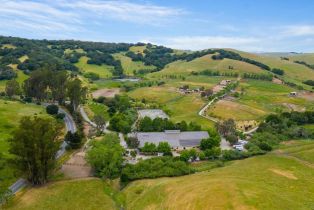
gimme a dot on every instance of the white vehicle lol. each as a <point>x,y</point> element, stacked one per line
<point>242,142</point>
<point>238,147</point>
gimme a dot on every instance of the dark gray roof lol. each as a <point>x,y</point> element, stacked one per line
<point>174,138</point>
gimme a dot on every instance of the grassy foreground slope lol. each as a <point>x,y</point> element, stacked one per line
<point>273,181</point>
<point>80,194</point>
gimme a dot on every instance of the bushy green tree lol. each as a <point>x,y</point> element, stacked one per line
<point>149,148</point>
<point>12,88</point>
<point>52,109</point>
<point>34,146</point>
<point>164,147</point>
<point>74,140</point>
<point>105,156</point>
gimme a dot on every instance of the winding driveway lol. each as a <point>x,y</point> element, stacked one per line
<point>105,130</point>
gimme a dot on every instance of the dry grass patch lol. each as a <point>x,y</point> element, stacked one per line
<point>287,174</point>
<point>106,92</point>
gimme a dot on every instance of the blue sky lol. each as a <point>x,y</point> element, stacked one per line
<point>259,25</point>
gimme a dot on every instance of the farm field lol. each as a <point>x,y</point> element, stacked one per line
<point>265,182</point>
<point>260,98</point>
<point>104,71</point>
<point>89,193</point>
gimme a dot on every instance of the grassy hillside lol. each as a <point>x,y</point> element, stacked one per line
<point>130,66</point>
<point>20,77</point>
<point>104,71</point>
<point>282,180</point>
<point>80,194</point>
<point>206,62</point>
<point>293,72</point>
<point>273,181</point>
<point>306,57</point>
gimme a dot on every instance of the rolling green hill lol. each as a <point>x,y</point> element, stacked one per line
<point>273,181</point>
<point>281,180</point>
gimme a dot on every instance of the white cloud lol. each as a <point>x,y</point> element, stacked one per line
<point>299,30</point>
<point>204,42</point>
<point>68,16</point>
<point>127,11</point>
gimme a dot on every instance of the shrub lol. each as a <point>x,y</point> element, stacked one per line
<point>52,109</point>
<point>154,168</point>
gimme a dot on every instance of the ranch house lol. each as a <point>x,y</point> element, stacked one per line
<point>176,139</point>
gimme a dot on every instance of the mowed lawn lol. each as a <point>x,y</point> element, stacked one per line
<point>76,194</point>
<point>264,182</point>
<point>104,71</point>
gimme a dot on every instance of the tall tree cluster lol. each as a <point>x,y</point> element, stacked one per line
<point>55,86</point>
<point>34,146</point>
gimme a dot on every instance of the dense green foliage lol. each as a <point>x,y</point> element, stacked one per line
<point>155,167</point>
<point>105,156</point>
<point>309,82</point>
<point>216,73</point>
<point>277,128</point>
<point>267,77</point>
<point>278,71</point>
<point>74,140</point>
<point>52,109</point>
<point>159,125</point>
<point>34,146</point>
<point>6,72</point>
<point>151,148</point>
<point>235,56</point>
<point>52,55</point>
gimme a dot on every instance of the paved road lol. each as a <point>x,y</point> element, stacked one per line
<point>105,130</point>
<point>70,126</point>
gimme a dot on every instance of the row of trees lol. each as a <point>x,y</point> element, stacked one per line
<point>305,64</point>
<point>267,77</point>
<point>46,85</point>
<point>158,125</point>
